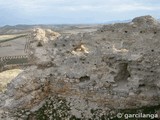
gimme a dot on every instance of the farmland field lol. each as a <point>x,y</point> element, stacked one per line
<point>12,46</point>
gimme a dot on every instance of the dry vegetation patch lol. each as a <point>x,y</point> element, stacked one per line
<point>4,38</point>
<point>6,77</point>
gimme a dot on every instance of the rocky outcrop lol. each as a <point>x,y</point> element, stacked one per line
<point>88,75</point>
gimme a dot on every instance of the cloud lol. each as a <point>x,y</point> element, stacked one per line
<point>73,5</point>
<point>114,6</point>
<point>134,7</point>
<point>64,11</point>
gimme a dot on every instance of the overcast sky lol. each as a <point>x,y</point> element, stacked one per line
<point>74,11</point>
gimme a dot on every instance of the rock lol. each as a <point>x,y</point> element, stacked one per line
<point>38,46</point>
<point>90,74</point>
<point>145,20</point>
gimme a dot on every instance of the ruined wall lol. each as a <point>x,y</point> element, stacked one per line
<point>96,73</point>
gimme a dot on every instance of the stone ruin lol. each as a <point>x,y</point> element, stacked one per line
<point>87,76</point>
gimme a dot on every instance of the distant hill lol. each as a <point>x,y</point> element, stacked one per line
<point>17,29</point>
<point>7,29</point>
<point>20,29</point>
<point>14,29</point>
<point>118,21</point>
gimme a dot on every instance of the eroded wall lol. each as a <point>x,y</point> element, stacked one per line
<point>116,67</point>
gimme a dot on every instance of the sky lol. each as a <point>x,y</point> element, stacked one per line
<point>14,12</point>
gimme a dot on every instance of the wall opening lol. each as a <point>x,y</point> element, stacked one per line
<point>142,85</point>
<point>84,78</point>
<point>123,72</point>
<point>39,44</point>
<point>63,45</point>
<point>141,31</point>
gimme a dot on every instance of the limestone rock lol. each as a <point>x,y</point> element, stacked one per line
<point>145,20</point>
<point>38,46</point>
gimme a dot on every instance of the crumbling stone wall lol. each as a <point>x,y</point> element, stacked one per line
<point>116,67</point>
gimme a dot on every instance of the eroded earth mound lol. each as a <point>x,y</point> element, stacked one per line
<point>88,75</point>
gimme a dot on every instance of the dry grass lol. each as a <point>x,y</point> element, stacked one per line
<point>6,77</point>
<point>10,37</point>
<point>4,37</point>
